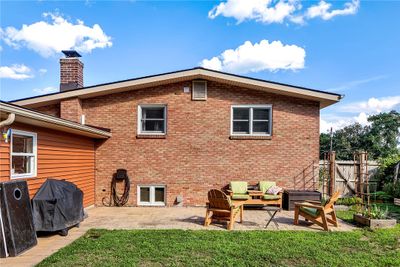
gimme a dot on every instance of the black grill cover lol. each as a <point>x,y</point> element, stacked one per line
<point>57,205</point>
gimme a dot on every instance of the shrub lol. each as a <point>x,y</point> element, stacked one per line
<point>392,189</point>
<point>386,168</point>
<point>349,201</point>
<point>381,195</point>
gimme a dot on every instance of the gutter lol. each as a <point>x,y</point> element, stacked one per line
<point>18,111</point>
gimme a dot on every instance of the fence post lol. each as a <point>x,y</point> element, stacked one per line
<point>332,172</point>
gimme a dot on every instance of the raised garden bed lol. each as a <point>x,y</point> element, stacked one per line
<point>374,223</point>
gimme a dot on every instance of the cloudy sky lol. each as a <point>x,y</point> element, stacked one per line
<point>349,47</point>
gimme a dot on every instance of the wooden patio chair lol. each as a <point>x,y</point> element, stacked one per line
<point>221,208</point>
<point>315,212</point>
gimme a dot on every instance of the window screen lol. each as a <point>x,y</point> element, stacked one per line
<point>251,120</point>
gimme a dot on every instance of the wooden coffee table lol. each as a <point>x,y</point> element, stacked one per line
<point>255,193</point>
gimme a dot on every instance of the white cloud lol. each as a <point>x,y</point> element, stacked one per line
<point>258,57</point>
<point>323,11</point>
<point>42,71</point>
<point>16,72</point>
<point>356,83</point>
<point>358,112</point>
<point>46,90</point>
<point>373,105</point>
<point>55,34</point>
<point>271,11</point>
<point>336,123</point>
<point>266,11</point>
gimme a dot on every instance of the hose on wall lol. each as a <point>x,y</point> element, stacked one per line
<point>119,200</point>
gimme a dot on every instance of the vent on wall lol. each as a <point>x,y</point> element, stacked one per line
<point>199,90</point>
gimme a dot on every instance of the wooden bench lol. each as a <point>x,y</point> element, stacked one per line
<point>256,198</point>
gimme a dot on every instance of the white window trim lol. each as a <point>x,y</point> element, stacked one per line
<point>152,195</point>
<point>251,120</point>
<point>33,154</point>
<point>205,91</point>
<point>139,119</point>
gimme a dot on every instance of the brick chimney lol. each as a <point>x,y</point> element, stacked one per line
<point>71,71</point>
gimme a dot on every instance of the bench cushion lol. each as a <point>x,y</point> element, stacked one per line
<point>240,196</point>
<point>238,187</point>
<point>265,185</point>
<point>271,197</point>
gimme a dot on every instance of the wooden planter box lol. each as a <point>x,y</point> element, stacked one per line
<point>397,201</point>
<point>292,196</point>
<point>374,223</point>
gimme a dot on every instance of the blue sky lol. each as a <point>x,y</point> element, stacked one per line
<point>349,47</point>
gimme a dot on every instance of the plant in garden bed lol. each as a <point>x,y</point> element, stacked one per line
<point>375,217</point>
<point>376,212</point>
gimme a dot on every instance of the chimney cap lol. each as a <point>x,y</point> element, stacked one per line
<point>71,53</point>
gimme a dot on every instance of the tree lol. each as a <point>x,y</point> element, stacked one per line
<point>380,139</point>
<point>324,144</point>
<point>384,134</point>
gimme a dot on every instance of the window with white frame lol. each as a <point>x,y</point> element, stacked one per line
<point>199,90</point>
<point>253,120</point>
<point>152,119</point>
<point>23,154</point>
<point>151,195</point>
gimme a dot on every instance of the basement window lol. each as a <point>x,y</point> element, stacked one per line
<point>152,119</point>
<point>251,120</point>
<point>151,195</point>
<point>199,91</point>
<point>23,154</point>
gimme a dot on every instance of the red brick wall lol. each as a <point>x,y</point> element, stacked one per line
<point>53,110</point>
<point>197,154</point>
<point>71,109</point>
<point>71,73</point>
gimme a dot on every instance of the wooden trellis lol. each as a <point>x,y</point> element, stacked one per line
<point>362,187</point>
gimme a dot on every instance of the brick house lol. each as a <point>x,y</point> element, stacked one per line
<point>182,133</point>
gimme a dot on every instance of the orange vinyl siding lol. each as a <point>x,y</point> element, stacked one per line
<point>60,156</point>
<point>4,161</point>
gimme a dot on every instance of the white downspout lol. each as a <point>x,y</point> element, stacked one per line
<point>8,121</point>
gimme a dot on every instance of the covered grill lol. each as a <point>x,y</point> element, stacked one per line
<point>57,206</point>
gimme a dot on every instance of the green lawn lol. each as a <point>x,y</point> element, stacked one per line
<point>236,248</point>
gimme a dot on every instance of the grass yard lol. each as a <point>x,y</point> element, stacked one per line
<point>236,248</point>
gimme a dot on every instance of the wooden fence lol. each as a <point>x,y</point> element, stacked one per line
<point>345,175</point>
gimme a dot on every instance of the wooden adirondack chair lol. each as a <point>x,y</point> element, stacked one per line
<point>221,208</point>
<point>316,213</point>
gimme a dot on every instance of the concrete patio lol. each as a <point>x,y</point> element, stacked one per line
<point>190,218</point>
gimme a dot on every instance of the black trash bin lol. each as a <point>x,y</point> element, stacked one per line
<point>57,206</point>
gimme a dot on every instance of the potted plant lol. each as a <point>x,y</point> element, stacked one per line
<point>375,217</point>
